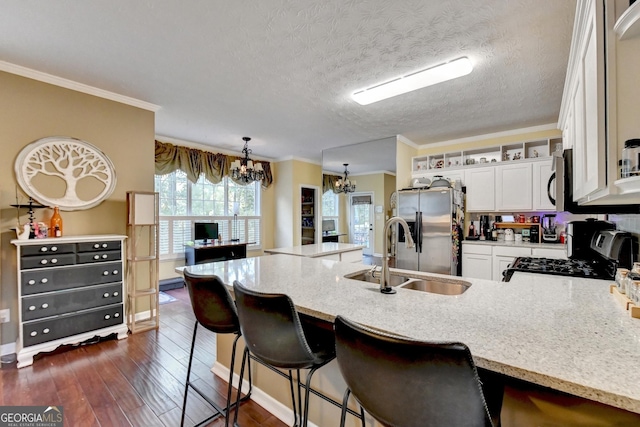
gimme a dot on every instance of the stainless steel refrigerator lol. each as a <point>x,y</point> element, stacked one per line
<point>435,217</point>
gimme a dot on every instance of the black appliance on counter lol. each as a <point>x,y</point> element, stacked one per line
<point>608,249</point>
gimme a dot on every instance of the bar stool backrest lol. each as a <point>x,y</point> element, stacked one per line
<point>403,382</point>
<point>272,329</point>
<point>212,303</point>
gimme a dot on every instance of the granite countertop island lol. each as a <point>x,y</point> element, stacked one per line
<point>568,334</point>
<point>316,250</point>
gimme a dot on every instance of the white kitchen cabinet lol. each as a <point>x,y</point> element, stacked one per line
<point>480,184</point>
<point>476,261</point>
<point>560,253</point>
<point>503,256</point>
<point>541,174</point>
<point>583,116</point>
<point>514,187</point>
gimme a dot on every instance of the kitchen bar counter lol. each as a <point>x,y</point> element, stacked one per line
<point>331,250</point>
<point>568,334</point>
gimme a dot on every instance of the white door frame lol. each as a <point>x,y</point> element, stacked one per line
<point>370,249</point>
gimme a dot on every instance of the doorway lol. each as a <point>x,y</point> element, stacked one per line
<point>361,224</point>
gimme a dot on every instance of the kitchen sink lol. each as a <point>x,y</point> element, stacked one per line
<point>434,286</point>
<point>366,276</point>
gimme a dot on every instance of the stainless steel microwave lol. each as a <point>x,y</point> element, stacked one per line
<point>562,182</point>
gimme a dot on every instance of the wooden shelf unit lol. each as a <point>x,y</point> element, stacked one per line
<point>143,282</point>
<point>308,215</point>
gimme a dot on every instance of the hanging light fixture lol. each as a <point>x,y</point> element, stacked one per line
<point>244,170</point>
<point>345,185</point>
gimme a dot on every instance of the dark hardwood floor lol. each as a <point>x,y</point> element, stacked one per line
<point>138,381</point>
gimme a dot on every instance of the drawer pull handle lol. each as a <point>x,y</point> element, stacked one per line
<point>105,256</point>
<point>33,333</point>
<point>54,261</point>
<point>115,294</point>
<point>31,282</point>
<point>46,331</point>
<point>106,273</point>
<point>43,249</point>
<point>96,246</point>
<point>104,245</point>
<point>45,305</point>
<point>54,248</point>
<point>45,280</point>
<point>115,271</point>
<point>96,257</point>
<point>43,261</point>
<point>107,317</point>
<point>106,295</point>
<point>32,307</point>
<point>116,315</point>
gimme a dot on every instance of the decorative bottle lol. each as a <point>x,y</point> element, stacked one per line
<point>55,225</point>
<point>472,230</point>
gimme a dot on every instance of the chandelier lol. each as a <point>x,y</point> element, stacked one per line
<point>345,185</point>
<point>244,170</point>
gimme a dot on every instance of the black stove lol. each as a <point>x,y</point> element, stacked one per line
<point>589,269</point>
<point>608,250</point>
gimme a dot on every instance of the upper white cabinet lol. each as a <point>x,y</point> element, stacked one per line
<point>541,175</point>
<point>480,184</point>
<point>514,187</point>
<point>599,103</point>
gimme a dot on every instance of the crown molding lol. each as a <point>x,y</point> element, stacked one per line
<point>78,87</point>
<point>407,141</point>
<point>513,132</point>
<point>300,159</point>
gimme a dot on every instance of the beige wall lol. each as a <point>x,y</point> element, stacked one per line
<point>404,153</point>
<point>32,110</point>
<point>292,175</point>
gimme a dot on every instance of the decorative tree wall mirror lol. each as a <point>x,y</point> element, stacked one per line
<point>65,172</point>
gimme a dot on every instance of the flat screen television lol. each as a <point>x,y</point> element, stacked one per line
<point>328,225</point>
<point>205,231</point>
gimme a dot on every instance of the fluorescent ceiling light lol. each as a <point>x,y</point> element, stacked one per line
<point>438,74</point>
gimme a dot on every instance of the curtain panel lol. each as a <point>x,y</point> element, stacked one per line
<point>194,162</point>
<point>329,183</point>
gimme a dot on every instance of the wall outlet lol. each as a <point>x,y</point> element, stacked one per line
<point>5,315</point>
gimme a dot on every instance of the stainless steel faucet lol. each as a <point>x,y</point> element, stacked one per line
<point>384,276</point>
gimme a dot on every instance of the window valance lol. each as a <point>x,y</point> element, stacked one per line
<point>329,182</point>
<point>194,162</point>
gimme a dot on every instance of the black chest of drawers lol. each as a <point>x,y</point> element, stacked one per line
<point>70,289</point>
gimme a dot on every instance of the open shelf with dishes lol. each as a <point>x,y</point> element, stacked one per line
<point>525,150</point>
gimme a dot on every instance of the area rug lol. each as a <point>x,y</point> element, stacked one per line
<point>165,298</point>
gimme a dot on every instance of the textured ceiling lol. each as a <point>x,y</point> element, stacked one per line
<point>282,71</point>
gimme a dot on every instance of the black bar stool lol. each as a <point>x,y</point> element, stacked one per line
<point>403,382</point>
<point>275,336</point>
<point>214,310</point>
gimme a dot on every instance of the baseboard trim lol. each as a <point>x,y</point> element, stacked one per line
<point>277,409</point>
<point>6,349</point>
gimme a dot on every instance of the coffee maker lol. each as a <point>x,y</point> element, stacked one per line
<point>549,229</point>
<point>484,229</point>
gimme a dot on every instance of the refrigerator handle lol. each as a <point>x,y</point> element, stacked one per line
<point>416,227</point>
<point>419,232</point>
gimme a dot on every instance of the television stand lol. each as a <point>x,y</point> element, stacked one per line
<point>200,254</point>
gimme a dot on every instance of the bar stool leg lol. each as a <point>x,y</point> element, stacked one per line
<point>186,386</point>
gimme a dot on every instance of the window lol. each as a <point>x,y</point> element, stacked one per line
<point>331,207</point>
<point>183,203</point>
